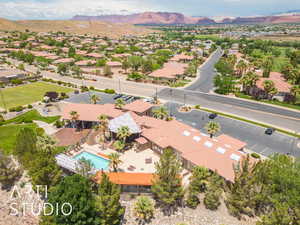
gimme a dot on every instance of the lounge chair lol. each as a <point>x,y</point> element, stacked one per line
<point>148,160</point>
<point>131,168</point>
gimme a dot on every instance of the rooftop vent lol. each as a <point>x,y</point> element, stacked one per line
<point>208,144</point>
<point>186,133</point>
<point>196,138</point>
<point>235,157</point>
<point>221,150</point>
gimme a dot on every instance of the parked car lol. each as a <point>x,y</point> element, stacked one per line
<point>269,131</point>
<point>212,116</point>
<point>117,96</point>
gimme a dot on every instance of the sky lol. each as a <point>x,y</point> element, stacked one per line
<point>66,9</point>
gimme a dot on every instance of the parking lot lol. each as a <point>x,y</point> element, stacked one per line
<point>104,98</point>
<point>253,135</point>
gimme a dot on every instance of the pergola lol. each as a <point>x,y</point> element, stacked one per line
<point>70,164</point>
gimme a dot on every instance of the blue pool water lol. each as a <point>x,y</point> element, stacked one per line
<point>98,162</point>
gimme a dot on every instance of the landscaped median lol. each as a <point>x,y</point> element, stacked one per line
<point>248,121</point>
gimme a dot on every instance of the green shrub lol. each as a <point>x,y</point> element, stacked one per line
<point>197,106</point>
<point>109,91</point>
<point>255,155</point>
<point>19,108</point>
<point>26,120</point>
<point>29,106</point>
<point>12,109</point>
<point>39,131</point>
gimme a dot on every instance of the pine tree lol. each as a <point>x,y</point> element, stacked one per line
<point>167,187</point>
<point>25,146</point>
<point>198,182</point>
<point>75,190</point>
<point>8,173</point>
<point>240,196</point>
<point>108,202</point>
<point>213,193</point>
<point>44,170</point>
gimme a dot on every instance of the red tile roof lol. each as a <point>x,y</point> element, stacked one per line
<point>279,81</point>
<point>138,106</point>
<point>217,154</point>
<point>170,70</point>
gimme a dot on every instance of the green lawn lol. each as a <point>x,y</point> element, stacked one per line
<point>30,116</point>
<point>8,135</point>
<point>29,93</point>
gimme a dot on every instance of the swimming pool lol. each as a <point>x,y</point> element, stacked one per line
<point>98,162</point>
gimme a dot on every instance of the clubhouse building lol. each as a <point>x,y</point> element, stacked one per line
<point>194,148</point>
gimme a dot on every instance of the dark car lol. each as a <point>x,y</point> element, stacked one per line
<point>118,96</point>
<point>212,116</point>
<point>269,131</point>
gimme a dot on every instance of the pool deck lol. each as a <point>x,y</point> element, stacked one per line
<point>132,162</point>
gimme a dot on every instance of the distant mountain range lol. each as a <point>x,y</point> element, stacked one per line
<point>156,18</point>
<point>76,27</point>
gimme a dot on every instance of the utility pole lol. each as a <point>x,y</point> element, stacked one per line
<point>120,85</point>
<point>184,98</point>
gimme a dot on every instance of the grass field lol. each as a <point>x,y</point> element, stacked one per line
<point>28,93</point>
<point>30,116</point>
<point>8,135</point>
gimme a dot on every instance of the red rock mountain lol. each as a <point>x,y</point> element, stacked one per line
<point>265,19</point>
<point>149,18</point>
<point>178,18</point>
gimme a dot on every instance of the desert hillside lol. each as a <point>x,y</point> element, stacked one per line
<point>78,27</point>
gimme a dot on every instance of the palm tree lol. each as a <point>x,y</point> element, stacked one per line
<point>74,117</point>
<point>85,167</point>
<point>249,80</point>
<point>295,90</point>
<point>267,66</point>
<point>143,209</point>
<point>94,99</point>
<point>212,128</point>
<point>269,88</point>
<point>160,113</point>
<point>103,126</point>
<point>115,161</point>
<point>119,103</point>
<point>241,67</point>
<point>123,132</point>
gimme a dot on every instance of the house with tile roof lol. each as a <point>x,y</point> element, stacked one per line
<point>220,154</point>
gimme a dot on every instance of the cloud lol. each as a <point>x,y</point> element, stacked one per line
<point>64,9</point>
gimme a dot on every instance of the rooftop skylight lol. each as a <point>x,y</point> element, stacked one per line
<point>186,133</point>
<point>196,138</point>
<point>221,150</point>
<point>235,157</point>
<point>208,144</point>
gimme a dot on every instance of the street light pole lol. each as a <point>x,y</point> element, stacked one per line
<point>120,85</point>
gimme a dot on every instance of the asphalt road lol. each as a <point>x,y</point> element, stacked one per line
<point>206,75</point>
<point>253,135</point>
<point>279,117</point>
<point>267,114</point>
